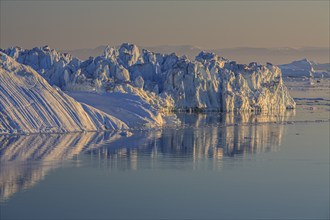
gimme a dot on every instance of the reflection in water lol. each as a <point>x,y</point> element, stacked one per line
<point>203,137</point>
<point>25,160</point>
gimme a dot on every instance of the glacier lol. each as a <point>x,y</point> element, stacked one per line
<point>166,82</point>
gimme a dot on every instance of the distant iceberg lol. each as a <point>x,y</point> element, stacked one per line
<point>305,68</point>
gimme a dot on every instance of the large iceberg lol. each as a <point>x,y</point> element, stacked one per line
<point>165,81</point>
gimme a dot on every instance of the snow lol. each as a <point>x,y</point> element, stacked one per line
<point>133,110</point>
<point>29,104</point>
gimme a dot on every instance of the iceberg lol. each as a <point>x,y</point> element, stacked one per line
<point>305,68</point>
<point>167,82</point>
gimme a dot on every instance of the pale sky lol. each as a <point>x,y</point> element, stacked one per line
<point>211,24</point>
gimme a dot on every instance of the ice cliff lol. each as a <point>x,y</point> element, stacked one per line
<point>165,81</point>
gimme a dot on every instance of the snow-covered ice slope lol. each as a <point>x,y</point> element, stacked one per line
<point>28,104</point>
<point>129,108</point>
<point>166,81</point>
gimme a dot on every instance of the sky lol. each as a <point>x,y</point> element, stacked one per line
<point>210,24</point>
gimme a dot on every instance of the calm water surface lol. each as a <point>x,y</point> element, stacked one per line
<point>216,166</point>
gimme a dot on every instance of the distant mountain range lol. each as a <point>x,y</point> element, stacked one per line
<point>241,54</point>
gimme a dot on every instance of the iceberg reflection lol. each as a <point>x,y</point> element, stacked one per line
<point>25,160</point>
<point>204,139</point>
